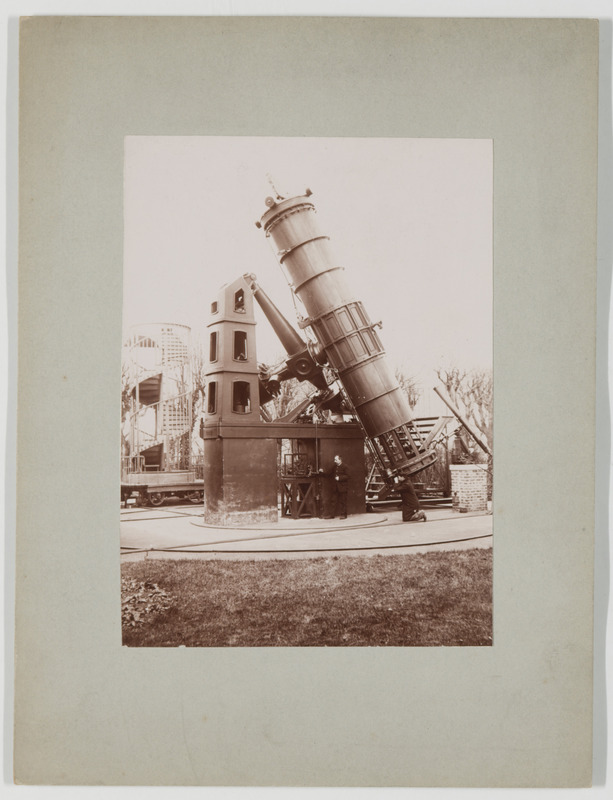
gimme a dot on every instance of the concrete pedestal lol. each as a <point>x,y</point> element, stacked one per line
<point>240,481</point>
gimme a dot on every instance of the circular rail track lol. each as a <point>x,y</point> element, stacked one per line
<point>363,535</point>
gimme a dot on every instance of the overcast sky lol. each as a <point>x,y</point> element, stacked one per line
<point>409,219</point>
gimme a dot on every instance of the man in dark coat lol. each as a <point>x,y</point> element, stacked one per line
<point>340,485</point>
<point>411,511</point>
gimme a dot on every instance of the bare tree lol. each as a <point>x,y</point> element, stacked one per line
<point>126,390</point>
<point>126,404</point>
<point>409,386</point>
<point>198,369</point>
<point>472,393</point>
<point>198,365</point>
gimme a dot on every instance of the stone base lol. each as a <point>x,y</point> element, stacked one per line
<point>231,519</point>
<point>240,481</point>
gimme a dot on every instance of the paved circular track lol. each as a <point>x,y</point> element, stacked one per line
<point>179,532</point>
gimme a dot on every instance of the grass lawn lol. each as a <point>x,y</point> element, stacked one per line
<point>396,600</point>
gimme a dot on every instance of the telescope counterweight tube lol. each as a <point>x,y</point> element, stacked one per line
<point>288,337</point>
<point>345,333</point>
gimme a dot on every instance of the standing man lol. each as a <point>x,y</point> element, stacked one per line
<point>411,511</point>
<point>340,484</point>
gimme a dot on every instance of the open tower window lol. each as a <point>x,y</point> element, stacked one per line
<point>211,407</point>
<point>241,399</point>
<point>214,307</point>
<point>239,301</point>
<point>213,346</point>
<point>240,346</point>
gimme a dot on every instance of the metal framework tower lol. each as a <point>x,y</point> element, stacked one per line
<point>159,423</point>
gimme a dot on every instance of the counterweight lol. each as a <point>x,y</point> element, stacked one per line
<point>346,336</point>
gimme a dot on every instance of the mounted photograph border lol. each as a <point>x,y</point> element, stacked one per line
<point>413,717</point>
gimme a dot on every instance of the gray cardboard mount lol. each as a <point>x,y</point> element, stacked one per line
<point>89,711</point>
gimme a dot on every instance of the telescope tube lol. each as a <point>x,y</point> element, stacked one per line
<point>346,335</point>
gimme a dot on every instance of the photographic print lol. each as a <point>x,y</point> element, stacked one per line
<point>266,266</point>
<point>307,392</point>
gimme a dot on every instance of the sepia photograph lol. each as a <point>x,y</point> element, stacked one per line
<point>307,392</point>
<point>270,271</point>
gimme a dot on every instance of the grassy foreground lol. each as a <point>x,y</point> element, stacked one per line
<point>403,600</point>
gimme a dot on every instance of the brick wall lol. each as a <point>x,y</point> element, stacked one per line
<point>469,487</point>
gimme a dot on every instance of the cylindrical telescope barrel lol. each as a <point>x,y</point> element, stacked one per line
<point>345,333</point>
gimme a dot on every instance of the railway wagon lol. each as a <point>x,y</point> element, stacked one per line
<point>154,488</point>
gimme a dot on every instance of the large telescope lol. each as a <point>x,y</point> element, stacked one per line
<point>346,336</point>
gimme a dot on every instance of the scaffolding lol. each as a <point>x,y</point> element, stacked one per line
<point>157,360</point>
